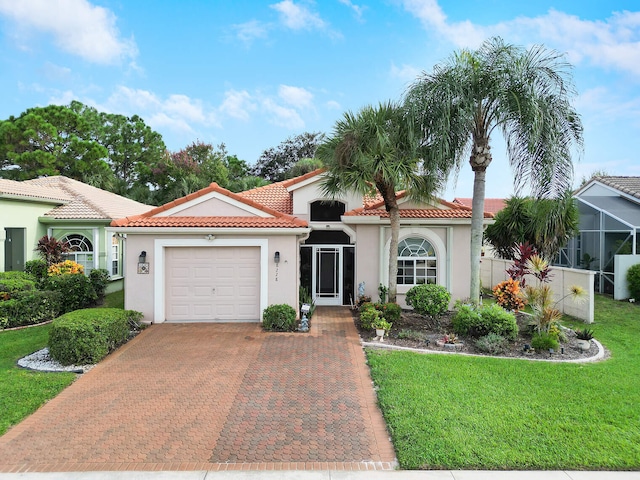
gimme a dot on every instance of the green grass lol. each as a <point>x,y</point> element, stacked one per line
<point>23,391</point>
<point>114,300</point>
<point>455,412</point>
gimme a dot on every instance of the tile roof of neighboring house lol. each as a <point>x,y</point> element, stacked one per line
<point>25,190</point>
<point>491,205</point>
<point>82,201</point>
<point>628,185</point>
<point>276,195</point>
<point>148,219</point>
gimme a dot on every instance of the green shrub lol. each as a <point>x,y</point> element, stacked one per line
<point>37,268</point>
<point>12,282</point>
<point>390,311</point>
<point>368,316</point>
<point>30,307</point>
<point>77,291</point>
<point>492,343</point>
<point>466,316</point>
<point>429,299</point>
<point>633,281</point>
<point>87,336</point>
<point>496,319</point>
<point>542,341</point>
<point>99,278</point>
<point>482,321</point>
<point>279,318</point>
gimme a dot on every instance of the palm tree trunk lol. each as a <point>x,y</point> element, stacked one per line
<point>394,217</point>
<point>477,217</point>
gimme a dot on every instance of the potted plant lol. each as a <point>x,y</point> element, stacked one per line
<point>381,326</point>
<point>584,338</point>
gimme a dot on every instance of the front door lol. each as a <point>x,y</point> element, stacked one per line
<point>327,275</point>
<point>14,249</point>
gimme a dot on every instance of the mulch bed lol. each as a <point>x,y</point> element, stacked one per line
<point>434,330</point>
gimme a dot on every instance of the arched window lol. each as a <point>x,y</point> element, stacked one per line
<point>81,251</point>
<point>417,263</point>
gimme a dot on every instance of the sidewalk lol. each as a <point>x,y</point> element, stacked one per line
<point>330,475</point>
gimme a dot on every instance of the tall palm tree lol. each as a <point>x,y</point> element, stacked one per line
<point>525,93</point>
<point>378,150</point>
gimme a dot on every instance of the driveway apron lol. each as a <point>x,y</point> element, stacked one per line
<point>214,397</point>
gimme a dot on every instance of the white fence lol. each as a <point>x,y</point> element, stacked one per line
<point>493,271</point>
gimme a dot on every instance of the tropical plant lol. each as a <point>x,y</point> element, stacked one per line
<point>51,249</point>
<point>584,334</point>
<point>525,93</point>
<point>381,324</point>
<point>508,296</point>
<point>378,150</point>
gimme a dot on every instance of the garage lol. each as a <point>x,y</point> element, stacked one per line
<point>212,284</point>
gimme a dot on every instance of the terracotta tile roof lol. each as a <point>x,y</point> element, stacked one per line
<point>491,205</point>
<point>276,195</point>
<point>278,219</point>
<point>416,213</point>
<point>214,222</point>
<point>628,185</point>
<point>27,190</point>
<point>85,201</point>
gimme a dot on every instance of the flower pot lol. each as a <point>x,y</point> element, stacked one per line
<point>380,333</point>
<point>584,345</point>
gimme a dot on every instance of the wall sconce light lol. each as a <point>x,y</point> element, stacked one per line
<point>143,257</point>
<point>276,258</point>
<point>143,265</point>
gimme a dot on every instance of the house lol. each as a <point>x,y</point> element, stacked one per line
<point>608,241</point>
<point>67,210</point>
<point>215,255</point>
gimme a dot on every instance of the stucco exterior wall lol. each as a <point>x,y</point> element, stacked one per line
<point>144,292</point>
<point>212,207</point>
<point>304,196</point>
<point>21,214</point>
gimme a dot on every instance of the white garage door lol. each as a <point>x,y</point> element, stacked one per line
<point>212,284</point>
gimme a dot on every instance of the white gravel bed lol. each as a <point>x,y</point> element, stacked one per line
<point>42,362</point>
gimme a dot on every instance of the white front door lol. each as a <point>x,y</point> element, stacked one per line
<point>327,275</point>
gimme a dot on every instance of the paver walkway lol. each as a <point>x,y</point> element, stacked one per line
<point>214,397</point>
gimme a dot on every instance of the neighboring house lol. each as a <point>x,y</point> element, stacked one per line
<point>215,255</point>
<point>67,210</point>
<point>491,205</point>
<point>609,225</point>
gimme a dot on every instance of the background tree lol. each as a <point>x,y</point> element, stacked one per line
<point>240,178</point>
<point>379,150</point>
<point>190,169</point>
<point>525,93</point>
<point>545,224</point>
<point>274,163</point>
<point>304,166</point>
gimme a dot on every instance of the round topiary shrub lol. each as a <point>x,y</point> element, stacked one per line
<point>429,299</point>
<point>633,281</point>
<point>279,318</point>
<point>465,318</point>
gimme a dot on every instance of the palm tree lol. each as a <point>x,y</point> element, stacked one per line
<point>525,93</point>
<point>377,150</point>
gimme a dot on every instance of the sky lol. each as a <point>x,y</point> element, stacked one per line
<point>251,74</point>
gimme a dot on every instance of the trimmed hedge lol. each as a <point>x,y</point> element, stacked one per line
<point>87,336</point>
<point>279,318</point>
<point>30,307</point>
<point>633,281</point>
<point>488,319</point>
<point>429,299</point>
<point>13,282</point>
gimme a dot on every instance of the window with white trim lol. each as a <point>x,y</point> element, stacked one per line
<point>81,251</point>
<point>417,262</point>
<point>115,256</point>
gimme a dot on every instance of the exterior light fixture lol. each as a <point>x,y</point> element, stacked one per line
<point>143,265</point>
<point>143,257</point>
<point>276,258</point>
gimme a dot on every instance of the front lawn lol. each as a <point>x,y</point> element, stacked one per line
<point>23,391</point>
<point>454,412</point>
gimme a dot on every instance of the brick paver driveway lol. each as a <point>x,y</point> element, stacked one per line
<point>211,397</point>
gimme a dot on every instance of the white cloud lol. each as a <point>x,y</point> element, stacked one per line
<point>282,116</point>
<point>357,9</point>
<point>250,31</point>
<point>333,105</point>
<point>612,44</point>
<point>298,17</point>
<point>405,72</point>
<point>295,96</point>
<point>237,104</point>
<point>76,26</point>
